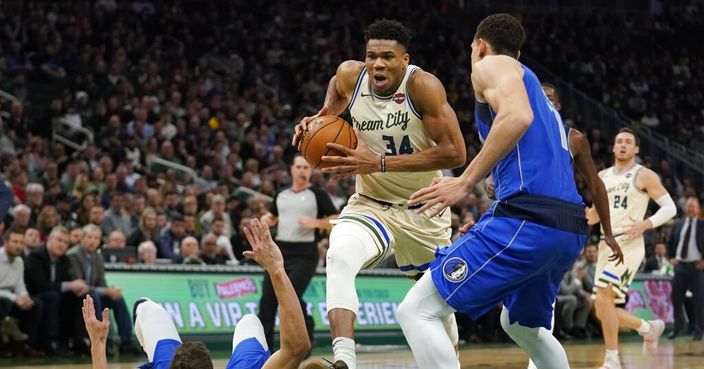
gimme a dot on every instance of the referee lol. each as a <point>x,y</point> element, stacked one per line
<point>301,211</point>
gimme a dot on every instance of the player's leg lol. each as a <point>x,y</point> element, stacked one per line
<point>249,347</point>
<point>352,246</point>
<point>156,332</point>
<point>531,364</point>
<point>606,312</point>
<point>421,315</point>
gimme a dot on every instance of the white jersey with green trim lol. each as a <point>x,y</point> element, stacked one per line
<point>390,125</point>
<point>627,202</point>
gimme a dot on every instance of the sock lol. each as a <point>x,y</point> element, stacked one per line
<point>644,328</point>
<point>343,349</point>
<point>611,358</point>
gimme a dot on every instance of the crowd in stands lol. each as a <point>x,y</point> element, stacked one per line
<point>204,86</point>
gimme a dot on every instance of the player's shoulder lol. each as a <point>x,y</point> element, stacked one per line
<point>646,175</point>
<point>495,65</point>
<point>604,172</point>
<point>425,90</point>
<point>349,69</point>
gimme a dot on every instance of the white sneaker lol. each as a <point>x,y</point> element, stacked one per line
<point>651,339</point>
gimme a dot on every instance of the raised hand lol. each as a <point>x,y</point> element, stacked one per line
<point>264,249</point>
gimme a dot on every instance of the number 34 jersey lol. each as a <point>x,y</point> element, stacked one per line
<point>390,125</point>
<point>627,202</point>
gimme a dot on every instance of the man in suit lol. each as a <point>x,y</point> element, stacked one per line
<point>655,263</point>
<point>48,279</point>
<point>87,264</point>
<point>685,247</point>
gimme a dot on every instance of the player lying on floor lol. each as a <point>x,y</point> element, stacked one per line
<point>158,337</point>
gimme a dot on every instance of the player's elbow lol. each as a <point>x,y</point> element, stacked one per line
<point>298,350</point>
<point>523,118</point>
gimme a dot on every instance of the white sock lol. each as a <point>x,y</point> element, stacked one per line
<point>343,349</point>
<point>611,358</point>
<point>644,328</point>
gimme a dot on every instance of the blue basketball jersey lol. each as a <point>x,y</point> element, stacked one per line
<point>540,164</point>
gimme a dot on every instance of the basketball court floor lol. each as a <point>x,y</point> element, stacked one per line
<point>680,354</point>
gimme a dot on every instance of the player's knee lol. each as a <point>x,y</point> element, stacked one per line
<point>405,314</point>
<point>604,300</point>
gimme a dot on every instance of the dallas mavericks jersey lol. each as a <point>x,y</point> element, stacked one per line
<point>390,125</point>
<point>540,164</point>
<point>626,200</point>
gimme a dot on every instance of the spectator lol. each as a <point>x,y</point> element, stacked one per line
<point>75,235</point>
<point>116,218</point>
<point>48,279</point>
<point>190,252</point>
<point>209,251</point>
<point>46,221</point>
<point>171,239</point>
<point>147,230</point>
<point>574,305</point>
<point>116,240</point>
<point>16,306</point>
<point>658,263</point>
<point>217,207</point>
<point>87,264</point>
<point>21,215</point>
<point>32,240</point>
<point>146,252</point>
<point>35,197</point>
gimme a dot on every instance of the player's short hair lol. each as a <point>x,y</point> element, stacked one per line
<point>503,32</point>
<point>388,29</point>
<point>553,88</point>
<point>628,130</point>
<point>192,355</point>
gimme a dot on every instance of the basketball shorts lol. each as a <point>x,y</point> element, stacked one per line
<point>506,260</point>
<point>413,237</point>
<point>249,354</point>
<point>620,277</point>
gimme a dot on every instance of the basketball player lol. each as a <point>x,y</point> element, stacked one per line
<point>522,246</point>
<point>582,160</point>
<point>157,333</point>
<point>630,187</point>
<point>407,132</point>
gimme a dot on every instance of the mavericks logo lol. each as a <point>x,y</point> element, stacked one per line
<point>455,270</point>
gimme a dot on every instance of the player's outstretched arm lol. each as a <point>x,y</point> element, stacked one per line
<point>650,183</point>
<point>97,332</point>
<point>294,336</point>
<point>584,164</point>
<point>497,79</point>
<point>337,96</point>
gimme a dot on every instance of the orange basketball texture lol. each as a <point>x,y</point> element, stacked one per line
<point>328,128</point>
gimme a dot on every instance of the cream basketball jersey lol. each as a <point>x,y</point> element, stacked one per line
<point>627,202</point>
<point>390,125</point>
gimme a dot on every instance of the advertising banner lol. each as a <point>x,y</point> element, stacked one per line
<point>205,303</point>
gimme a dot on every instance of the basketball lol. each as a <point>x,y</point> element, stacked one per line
<point>321,131</point>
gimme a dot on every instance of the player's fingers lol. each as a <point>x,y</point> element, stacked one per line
<point>266,233</point>
<point>106,316</point>
<point>337,159</point>
<point>340,170</point>
<point>338,177</point>
<point>343,149</point>
<point>248,254</point>
<point>256,229</point>
<point>421,195</point>
<point>428,205</point>
<point>250,237</point>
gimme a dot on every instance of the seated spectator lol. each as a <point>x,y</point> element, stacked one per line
<point>75,235</point>
<point>87,264</point>
<point>171,238</point>
<point>31,240</point>
<point>16,306</point>
<point>189,226</point>
<point>48,279</point>
<point>21,215</point>
<point>224,243</point>
<point>116,218</point>
<point>46,221</point>
<point>657,264</point>
<point>116,240</point>
<point>574,305</point>
<point>146,252</point>
<point>217,207</point>
<point>210,252</point>
<point>190,252</point>
<point>147,230</point>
